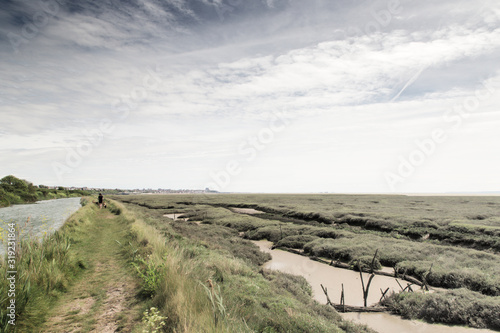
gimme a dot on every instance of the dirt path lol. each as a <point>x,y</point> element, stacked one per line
<point>104,299</point>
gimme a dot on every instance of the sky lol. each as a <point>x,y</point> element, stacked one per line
<point>391,96</point>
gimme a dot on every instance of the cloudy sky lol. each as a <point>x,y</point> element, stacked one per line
<point>252,95</point>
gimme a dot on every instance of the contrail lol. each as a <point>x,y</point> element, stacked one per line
<point>409,83</point>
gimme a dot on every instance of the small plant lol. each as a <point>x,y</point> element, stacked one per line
<point>150,273</point>
<point>153,321</point>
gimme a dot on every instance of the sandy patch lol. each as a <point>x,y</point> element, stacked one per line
<point>249,211</point>
<point>112,306</point>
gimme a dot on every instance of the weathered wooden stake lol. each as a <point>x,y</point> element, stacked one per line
<point>372,275</point>
<point>325,290</point>
<point>403,289</point>
<point>425,284</point>
<point>383,294</point>
<point>342,298</point>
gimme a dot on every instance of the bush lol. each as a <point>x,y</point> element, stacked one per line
<point>296,242</point>
<point>365,263</point>
<point>151,274</point>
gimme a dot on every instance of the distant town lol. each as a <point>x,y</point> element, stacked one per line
<point>136,191</point>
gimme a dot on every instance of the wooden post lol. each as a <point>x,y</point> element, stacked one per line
<point>325,290</point>
<point>408,286</point>
<point>370,279</point>
<point>342,299</point>
<point>383,294</point>
<point>400,286</point>
<point>425,284</point>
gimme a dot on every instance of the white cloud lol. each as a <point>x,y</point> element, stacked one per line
<point>222,79</point>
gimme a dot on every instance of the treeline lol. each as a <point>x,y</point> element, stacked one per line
<point>18,191</point>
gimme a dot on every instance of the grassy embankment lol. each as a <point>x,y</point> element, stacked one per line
<point>97,258</point>
<point>44,271</point>
<point>453,266</point>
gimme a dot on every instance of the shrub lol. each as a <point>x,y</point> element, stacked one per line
<point>296,242</point>
<point>365,263</point>
<point>456,307</point>
<point>151,274</point>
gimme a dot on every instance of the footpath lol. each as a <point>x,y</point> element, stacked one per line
<point>104,299</point>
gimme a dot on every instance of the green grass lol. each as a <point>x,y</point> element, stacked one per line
<point>452,267</point>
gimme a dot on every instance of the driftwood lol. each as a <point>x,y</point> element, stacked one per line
<point>349,308</point>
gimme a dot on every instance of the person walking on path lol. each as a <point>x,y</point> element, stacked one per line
<point>101,200</point>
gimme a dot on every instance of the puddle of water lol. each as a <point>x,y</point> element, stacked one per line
<point>317,273</point>
<point>249,211</point>
<point>44,217</point>
<point>175,216</point>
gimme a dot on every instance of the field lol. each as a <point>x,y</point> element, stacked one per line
<point>448,242</point>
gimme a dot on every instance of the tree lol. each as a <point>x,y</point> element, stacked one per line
<point>13,184</point>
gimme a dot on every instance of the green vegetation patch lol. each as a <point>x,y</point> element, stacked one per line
<point>18,191</point>
<point>452,267</point>
<point>456,307</point>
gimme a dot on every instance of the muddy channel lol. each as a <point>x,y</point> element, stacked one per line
<point>332,278</point>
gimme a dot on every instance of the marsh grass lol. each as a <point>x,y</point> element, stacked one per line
<point>454,267</point>
<point>456,236</point>
<point>242,298</point>
<point>411,232</point>
<point>455,307</point>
